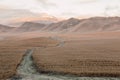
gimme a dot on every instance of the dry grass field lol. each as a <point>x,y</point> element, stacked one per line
<point>9,61</point>
<point>30,42</point>
<point>12,51</point>
<point>79,55</point>
<point>89,57</point>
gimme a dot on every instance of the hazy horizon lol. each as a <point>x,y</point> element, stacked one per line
<point>16,11</point>
<point>66,8</point>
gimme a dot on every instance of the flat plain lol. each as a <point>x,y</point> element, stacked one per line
<point>77,54</point>
<point>9,61</point>
<point>12,52</point>
<point>89,56</point>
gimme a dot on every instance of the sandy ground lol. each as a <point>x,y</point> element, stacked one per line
<point>96,43</point>
<point>66,36</point>
<point>27,71</point>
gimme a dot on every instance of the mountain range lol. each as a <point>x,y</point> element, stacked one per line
<point>95,24</point>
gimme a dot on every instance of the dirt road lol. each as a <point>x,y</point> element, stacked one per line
<point>27,70</point>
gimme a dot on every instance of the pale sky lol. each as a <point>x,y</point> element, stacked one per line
<point>66,8</point>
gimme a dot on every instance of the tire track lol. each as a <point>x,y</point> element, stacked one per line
<point>27,70</point>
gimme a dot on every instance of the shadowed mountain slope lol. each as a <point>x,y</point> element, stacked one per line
<point>4,28</point>
<point>60,26</point>
<point>97,24</point>
<point>29,26</point>
<point>72,25</point>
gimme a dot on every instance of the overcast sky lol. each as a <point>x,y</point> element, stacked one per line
<point>66,8</point>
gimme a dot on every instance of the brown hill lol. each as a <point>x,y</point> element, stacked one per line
<point>4,28</point>
<point>72,25</point>
<point>63,25</point>
<point>29,26</point>
<point>96,24</point>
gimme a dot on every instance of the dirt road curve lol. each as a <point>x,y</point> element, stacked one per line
<point>27,70</point>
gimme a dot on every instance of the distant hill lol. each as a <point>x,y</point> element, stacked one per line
<point>95,24</point>
<point>29,26</point>
<point>72,25</point>
<point>60,26</point>
<point>4,28</point>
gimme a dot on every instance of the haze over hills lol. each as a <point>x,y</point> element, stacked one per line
<point>29,26</point>
<point>4,28</point>
<point>95,24</point>
<point>72,25</point>
<point>16,17</point>
<point>60,26</point>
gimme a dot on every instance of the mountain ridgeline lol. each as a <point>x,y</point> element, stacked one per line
<point>4,28</point>
<point>95,24</point>
<point>29,26</point>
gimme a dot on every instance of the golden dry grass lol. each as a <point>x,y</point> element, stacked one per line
<point>94,57</point>
<point>30,42</point>
<point>9,60</point>
<point>89,56</point>
<point>12,51</point>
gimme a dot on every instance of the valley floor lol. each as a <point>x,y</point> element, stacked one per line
<point>57,56</point>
